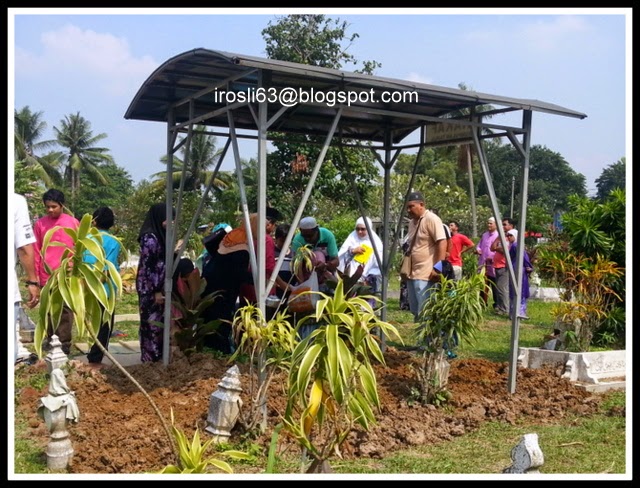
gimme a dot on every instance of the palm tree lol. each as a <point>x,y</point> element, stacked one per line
<point>203,155</point>
<point>29,129</point>
<point>76,136</point>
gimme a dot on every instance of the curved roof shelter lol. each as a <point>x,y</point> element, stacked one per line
<point>231,91</point>
<point>200,75</point>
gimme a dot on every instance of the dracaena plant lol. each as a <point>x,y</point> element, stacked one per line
<point>80,287</point>
<point>332,385</point>
<point>192,454</point>
<point>189,308</point>
<point>77,285</point>
<point>453,312</point>
<point>269,344</point>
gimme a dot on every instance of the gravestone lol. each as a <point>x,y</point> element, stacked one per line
<point>526,456</point>
<point>224,406</point>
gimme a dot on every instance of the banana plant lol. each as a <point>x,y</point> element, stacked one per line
<point>332,385</point>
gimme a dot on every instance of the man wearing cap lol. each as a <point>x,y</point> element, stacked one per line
<point>320,239</point>
<point>428,245</point>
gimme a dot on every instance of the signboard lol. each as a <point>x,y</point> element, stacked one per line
<point>441,134</point>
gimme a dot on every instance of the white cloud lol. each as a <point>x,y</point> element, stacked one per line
<point>106,60</point>
<point>546,35</point>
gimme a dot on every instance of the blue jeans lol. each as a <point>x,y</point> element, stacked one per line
<point>418,291</point>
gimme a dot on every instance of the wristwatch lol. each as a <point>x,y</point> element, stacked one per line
<point>32,283</point>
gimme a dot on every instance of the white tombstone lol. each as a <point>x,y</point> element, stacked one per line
<point>526,456</point>
<point>57,409</point>
<point>224,406</point>
<point>56,358</point>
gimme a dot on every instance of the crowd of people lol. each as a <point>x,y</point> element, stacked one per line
<point>436,251</point>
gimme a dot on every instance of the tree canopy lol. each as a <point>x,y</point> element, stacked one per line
<point>551,179</point>
<point>612,177</point>
<point>319,41</point>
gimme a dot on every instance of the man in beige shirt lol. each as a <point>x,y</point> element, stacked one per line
<point>428,247</point>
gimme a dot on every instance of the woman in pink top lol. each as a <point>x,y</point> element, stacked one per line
<point>485,259</point>
<point>54,205</point>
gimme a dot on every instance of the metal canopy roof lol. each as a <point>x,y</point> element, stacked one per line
<point>183,90</point>
<point>200,74</point>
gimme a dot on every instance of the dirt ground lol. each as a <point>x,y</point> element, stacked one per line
<point>118,432</point>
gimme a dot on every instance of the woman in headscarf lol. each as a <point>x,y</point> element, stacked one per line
<point>150,281</point>
<point>225,274</point>
<point>512,238</point>
<point>357,250</point>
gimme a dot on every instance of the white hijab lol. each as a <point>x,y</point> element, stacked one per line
<point>354,240</point>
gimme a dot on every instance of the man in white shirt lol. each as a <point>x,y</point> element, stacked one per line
<point>25,251</point>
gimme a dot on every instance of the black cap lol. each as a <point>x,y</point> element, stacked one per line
<point>415,196</point>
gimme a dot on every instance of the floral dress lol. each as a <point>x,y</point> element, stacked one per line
<point>149,280</point>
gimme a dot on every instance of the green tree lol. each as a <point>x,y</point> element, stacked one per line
<point>203,157</point>
<point>404,163</point>
<point>92,194</point>
<point>29,129</point>
<point>26,183</point>
<point>588,259</point>
<point>81,153</point>
<point>131,212</point>
<point>319,41</point>
<point>613,176</point>
<point>551,179</point>
<point>312,39</point>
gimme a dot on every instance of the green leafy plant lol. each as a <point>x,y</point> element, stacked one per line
<point>192,454</point>
<point>589,297</point>
<point>189,307</point>
<point>80,287</point>
<point>332,384</point>
<point>269,345</point>
<point>353,287</point>
<point>453,311</point>
<point>303,262</point>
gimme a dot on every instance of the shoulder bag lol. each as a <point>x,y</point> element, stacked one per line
<point>405,267</point>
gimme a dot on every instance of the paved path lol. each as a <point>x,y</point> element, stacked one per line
<point>127,353</point>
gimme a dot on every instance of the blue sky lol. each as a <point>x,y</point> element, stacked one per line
<point>93,61</point>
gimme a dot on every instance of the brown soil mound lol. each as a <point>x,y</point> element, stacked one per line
<point>118,431</point>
